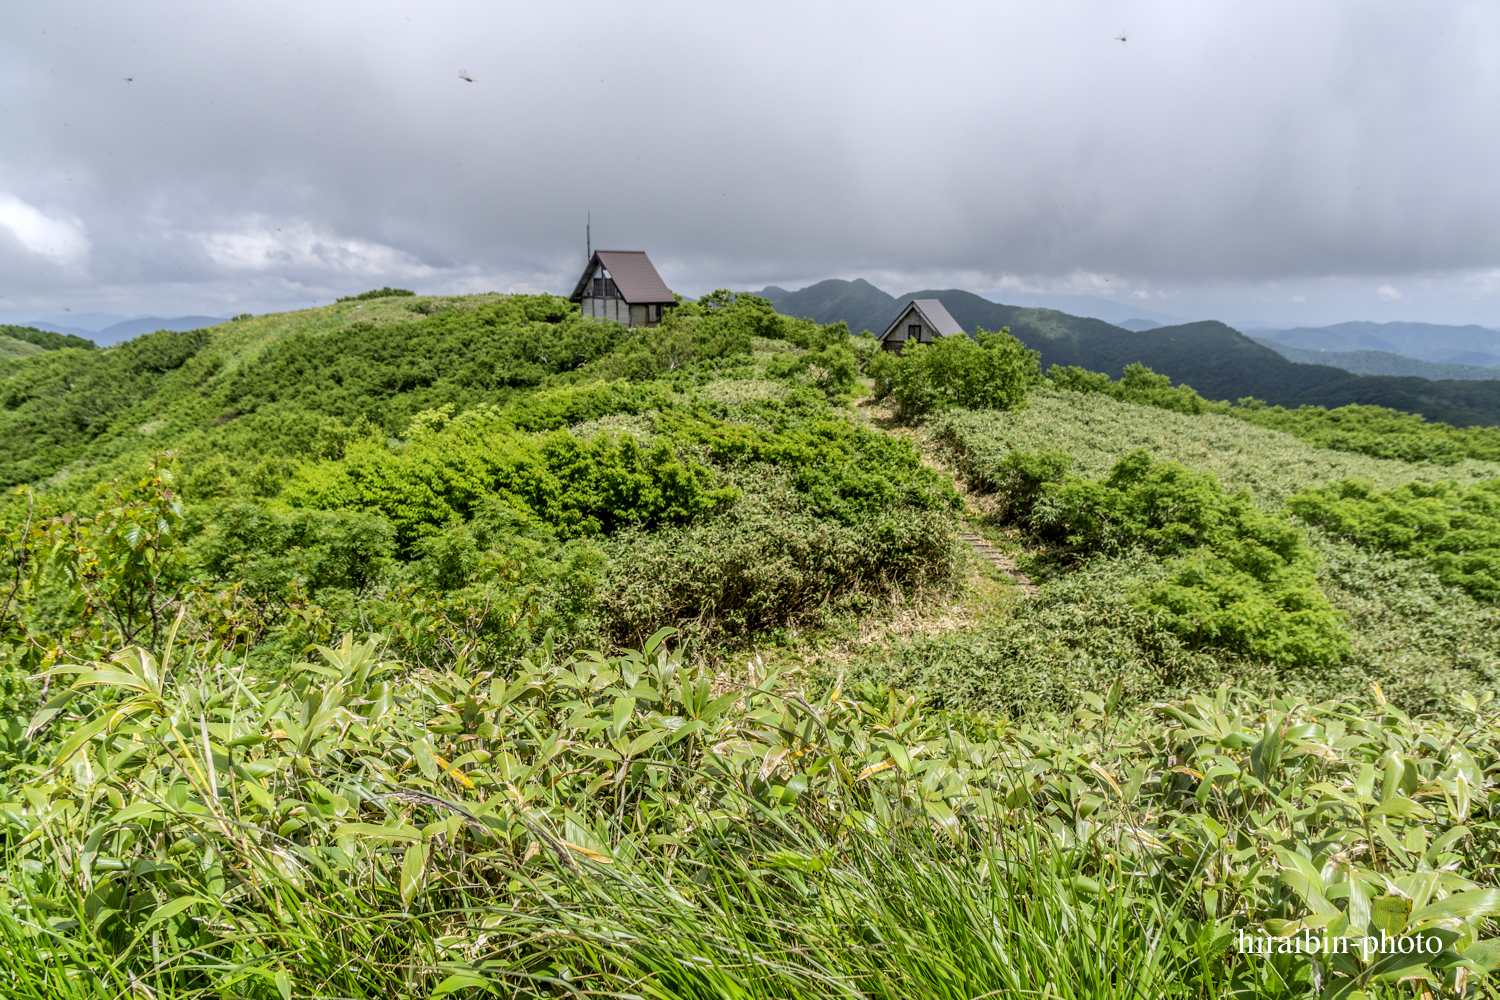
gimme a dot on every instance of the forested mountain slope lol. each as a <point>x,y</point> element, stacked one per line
<point>1214,359</point>
<point>1366,362</point>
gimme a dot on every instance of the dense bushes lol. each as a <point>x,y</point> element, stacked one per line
<point>53,405</point>
<point>268,551</point>
<point>385,374</point>
<point>847,472</point>
<point>994,371</point>
<point>578,487</point>
<point>770,560</point>
<point>1377,431</point>
<point>379,293</point>
<point>1367,430</point>
<point>834,369</point>
<point>1239,579</point>
<point>1138,384</point>
<point>1454,529</point>
<point>45,339</point>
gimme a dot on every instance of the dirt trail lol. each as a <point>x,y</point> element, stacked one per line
<point>874,416</point>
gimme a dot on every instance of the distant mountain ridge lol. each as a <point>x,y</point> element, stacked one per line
<point>1380,363</point>
<point>1216,360</point>
<point>132,328</point>
<point>865,301</point>
<point>1461,345</point>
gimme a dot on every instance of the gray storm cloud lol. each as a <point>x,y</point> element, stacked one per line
<point>283,152</point>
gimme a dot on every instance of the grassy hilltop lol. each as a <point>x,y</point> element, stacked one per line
<point>423,646</point>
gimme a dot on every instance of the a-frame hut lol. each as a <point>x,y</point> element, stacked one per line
<point>920,321</point>
<point>623,285</point>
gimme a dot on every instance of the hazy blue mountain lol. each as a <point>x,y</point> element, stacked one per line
<point>150,324</point>
<point>1091,307</point>
<point>1139,325</point>
<point>1381,363</point>
<point>77,324</point>
<point>127,329</point>
<point>773,292</point>
<point>70,331</point>
<point>1464,345</point>
<point>1218,361</point>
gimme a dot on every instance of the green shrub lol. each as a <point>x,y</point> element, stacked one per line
<point>555,409</point>
<point>55,404</point>
<point>1022,477</point>
<point>270,551</point>
<point>46,339</point>
<point>385,374</point>
<point>847,472</point>
<point>1239,579</point>
<point>1454,529</point>
<point>1138,384</point>
<point>995,371</point>
<point>378,293</point>
<point>771,559</point>
<point>576,487</point>
<point>834,370</point>
<point>1096,430</point>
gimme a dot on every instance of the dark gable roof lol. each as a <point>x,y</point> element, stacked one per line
<point>933,313</point>
<point>634,276</point>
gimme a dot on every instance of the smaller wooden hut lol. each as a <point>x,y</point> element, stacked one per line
<point>920,321</point>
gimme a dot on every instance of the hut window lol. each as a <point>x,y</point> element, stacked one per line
<point>914,332</point>
<point>653,314</point>
<point>604,288</point>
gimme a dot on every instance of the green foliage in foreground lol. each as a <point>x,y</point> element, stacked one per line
<point>1454,529</point>
<point>1238,578</point>
<point>994,371</point>
<point>1368,430</point>
<point>627,825</point>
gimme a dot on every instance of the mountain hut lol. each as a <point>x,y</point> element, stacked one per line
<point>623,285</point>
<point>921,321</point>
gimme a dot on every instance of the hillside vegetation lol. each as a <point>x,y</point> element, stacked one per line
<point>44,339</point>
<point>422,646</point>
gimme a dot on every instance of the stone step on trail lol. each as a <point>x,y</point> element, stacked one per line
<point>1004,563</point>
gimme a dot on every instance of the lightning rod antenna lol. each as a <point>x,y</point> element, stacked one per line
<point>588,235</point>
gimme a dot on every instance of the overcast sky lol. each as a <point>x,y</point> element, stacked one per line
<point>1260,161</point>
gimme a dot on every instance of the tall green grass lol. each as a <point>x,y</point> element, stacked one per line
<point>615,827</point>
<point>893,918</point>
